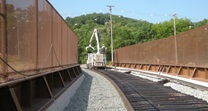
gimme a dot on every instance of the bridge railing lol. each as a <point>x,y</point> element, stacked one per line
<point>34,37</point>
<point>184,54</point>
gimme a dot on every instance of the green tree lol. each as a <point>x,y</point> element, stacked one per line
<point>126,31</point>
<point>166,28</point>
<point>201,23</point>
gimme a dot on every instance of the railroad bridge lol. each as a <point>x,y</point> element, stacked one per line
<point>183,55</point>
<point>39,56</point>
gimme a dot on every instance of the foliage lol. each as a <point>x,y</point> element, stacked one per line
<point>200,23</point>
<point>166,28</point>
<point>126,31</point>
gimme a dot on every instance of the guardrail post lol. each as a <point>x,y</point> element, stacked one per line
<point>3,39</point>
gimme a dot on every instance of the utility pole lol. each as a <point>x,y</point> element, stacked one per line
<point>176,49</point>
<point>111,26</point>
<point>174,17</point>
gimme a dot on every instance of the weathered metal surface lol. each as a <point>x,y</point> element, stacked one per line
<point>192,50</point>
<point>37,38</point>
<point>147,95</point>
<point>3,74</point>
<point>37,92</point>
<point>160,55</point>
<point>195,73</point>
<point>39,55</point>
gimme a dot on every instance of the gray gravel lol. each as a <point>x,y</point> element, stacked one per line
<point>201,94</point>
<point>95,94</point>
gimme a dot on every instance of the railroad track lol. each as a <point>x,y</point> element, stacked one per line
<point>146,95</point>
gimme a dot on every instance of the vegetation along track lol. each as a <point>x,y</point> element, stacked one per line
<point>151,96</point>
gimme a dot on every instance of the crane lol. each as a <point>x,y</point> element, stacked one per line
<point>98,59</point>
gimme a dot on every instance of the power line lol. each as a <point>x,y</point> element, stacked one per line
<point>132,13</point>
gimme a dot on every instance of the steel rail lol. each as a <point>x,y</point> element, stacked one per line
<point>127,104</point>
<point>146,95</point>
<point>175,80</point>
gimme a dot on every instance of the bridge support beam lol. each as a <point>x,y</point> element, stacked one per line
<point>3,42</point>
<point>195,73</point>
<point>39,92</point>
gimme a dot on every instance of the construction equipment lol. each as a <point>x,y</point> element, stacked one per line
<point>98,59</point>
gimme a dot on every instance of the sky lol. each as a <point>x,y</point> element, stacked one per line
<point>153,11</point>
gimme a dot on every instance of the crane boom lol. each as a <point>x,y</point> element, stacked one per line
<point>97,59</point>
<point>97,40</point>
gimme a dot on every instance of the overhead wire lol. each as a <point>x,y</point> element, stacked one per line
<point>135,13</point>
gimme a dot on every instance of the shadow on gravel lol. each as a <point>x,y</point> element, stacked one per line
<point>79,101</point>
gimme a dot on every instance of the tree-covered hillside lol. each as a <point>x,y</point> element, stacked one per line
<point>126,31</point>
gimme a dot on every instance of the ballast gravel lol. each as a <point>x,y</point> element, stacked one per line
<point>96,93</point>
<point>201,94</point>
